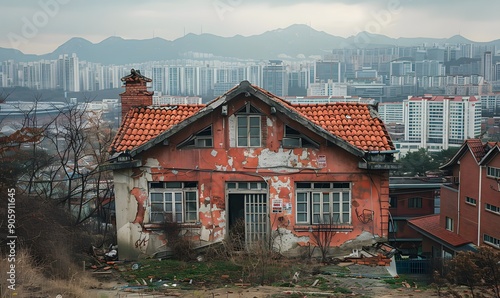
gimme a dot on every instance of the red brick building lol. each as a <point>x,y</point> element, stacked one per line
<point>281,169</point>
<point>411,197</point>
<point>470,203</point>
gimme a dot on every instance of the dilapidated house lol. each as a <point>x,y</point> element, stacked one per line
<point>248,156</point>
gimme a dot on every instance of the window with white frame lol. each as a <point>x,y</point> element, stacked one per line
<point>449,223</point>
<point>248,126</point>
<point>491,240</point>
<point>248,131</point>
<point>493,172</point>
<point>323,203</point>
<point>492,208</point>
<point>470,201</point>
<point>173,202</point>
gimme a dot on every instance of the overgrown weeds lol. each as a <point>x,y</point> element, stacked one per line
<point>31,280</point>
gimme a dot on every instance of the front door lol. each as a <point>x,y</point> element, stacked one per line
<point>247,218</point>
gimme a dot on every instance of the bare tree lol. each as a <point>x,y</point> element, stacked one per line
<point>19,150</point>
<point>59,157</point>
<point>322,235</point>
<point>80,141</point>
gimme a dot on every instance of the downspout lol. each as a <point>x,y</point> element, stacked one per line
<point>458,203</point>
<point>479,206</point>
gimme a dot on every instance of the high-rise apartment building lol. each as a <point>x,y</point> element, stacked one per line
<point>325,71</point>
<point>429,68</point>
<point>400,68</point>
<point>487,66</point>
<point>276,78</point>
<point>439,122</point>
<point>159,77</point>
<point>68,73</point>
<point>391,112</point>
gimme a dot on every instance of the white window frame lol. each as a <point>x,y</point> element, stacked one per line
<point>178,204</point>
<point>491,240</point>
<point>316,206</point>
<point>470,201</point>
<point>492,208</point>
<point>248,130</point>
<point>493,172</point>
<point>449,223</point>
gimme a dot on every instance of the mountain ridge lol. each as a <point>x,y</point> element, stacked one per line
<point>295,41</point>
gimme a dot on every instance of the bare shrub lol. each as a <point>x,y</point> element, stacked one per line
<point>322,235</point>
<point>479,271</point>
<point>181,246</point>
<point>45,231</point>
<point>32,282</point>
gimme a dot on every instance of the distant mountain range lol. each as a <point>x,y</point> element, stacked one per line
<point>296,41</point>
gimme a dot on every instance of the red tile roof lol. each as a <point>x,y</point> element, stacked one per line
<point>477,148</point>
<point>143,124</point>
<point>352,122</point>
<point>430,225</point>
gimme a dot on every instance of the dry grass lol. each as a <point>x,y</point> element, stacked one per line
<point>32,282</point>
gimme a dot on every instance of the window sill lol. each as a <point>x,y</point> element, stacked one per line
<point>494,212</point>
<point>324,228</point>
<point>158,226</point>
<point>491,244</point>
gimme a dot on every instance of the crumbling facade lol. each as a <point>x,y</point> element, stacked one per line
<point>248,156</point>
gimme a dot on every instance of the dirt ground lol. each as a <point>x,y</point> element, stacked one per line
<point>365,281</point>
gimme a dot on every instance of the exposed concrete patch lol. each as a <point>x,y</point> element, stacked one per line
<point>270,122</point>
<point>205,234</point>
<point>152,163</point>
<point>281,158</point>
<point>285,240</point>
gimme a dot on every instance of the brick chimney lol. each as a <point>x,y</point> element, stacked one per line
<point>136,93</point>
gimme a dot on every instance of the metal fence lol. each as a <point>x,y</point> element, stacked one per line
<point>409,266</point>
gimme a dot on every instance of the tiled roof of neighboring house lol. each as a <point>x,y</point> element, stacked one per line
<point>143,124</point>
<point>352,122</point>
<point>24,135</point>
<point>430,225</point>
<point>477,148</point>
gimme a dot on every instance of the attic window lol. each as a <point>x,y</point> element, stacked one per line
<point>248,109</point>
<point>294,139</point>
<point>202,139</point>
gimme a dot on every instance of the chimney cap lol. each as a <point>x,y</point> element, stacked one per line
<point>135,75</point>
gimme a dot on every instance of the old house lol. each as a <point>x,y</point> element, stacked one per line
<point>470,203</point>
<point>411,197</point>
<point>248,156</point>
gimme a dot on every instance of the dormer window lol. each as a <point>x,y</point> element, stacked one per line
<point>294,139</point>
<point>248,127</point>
<point>202,139</point>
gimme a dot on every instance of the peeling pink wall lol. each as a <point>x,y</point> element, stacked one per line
<point>280,168</point>
<point>141,196</point>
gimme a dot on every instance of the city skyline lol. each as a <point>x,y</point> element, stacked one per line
<point>40,27</point>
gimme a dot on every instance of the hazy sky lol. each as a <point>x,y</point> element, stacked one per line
<point>41,26</point>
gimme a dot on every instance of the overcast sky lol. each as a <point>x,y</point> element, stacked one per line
<point>40,26</point>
